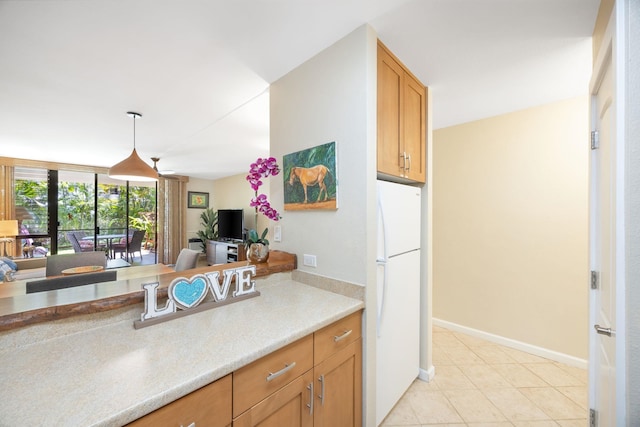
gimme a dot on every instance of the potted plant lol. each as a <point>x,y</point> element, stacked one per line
<point>258,247</point>
<point>209,233</point>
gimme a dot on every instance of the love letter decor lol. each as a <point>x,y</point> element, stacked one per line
<point>188,294</point>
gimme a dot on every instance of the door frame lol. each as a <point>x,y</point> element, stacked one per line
<point>612,49</point>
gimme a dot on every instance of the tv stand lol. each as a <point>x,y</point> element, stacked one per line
<point>225,252</point>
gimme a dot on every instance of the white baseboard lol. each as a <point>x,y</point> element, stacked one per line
<point>518,345</point>
<point>427,374</point>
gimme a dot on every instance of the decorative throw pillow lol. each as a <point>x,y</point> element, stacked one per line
<point>4,268</point>
<point>10,262</point>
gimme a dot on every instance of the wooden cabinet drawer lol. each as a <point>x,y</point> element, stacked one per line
<point>258,380</point>
<point>337,336</point>
<point>209,406</point>
<point>290,406</point>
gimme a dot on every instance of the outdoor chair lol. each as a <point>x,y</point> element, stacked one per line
<point>135,245</point>
<point>79,245</point>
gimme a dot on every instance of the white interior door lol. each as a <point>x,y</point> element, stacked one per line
<point>606,241</point>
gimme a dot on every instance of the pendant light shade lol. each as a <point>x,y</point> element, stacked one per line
<point>133,168</point>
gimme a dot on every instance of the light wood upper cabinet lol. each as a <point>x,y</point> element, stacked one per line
<point>402,117</point>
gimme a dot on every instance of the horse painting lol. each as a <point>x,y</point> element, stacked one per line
<point>310,180</point>
<point>310,177</point>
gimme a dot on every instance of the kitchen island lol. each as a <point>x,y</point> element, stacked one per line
<point>97,370</point>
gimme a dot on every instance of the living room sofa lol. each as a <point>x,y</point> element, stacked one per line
<point>29,268</point>
<point>41,267</point>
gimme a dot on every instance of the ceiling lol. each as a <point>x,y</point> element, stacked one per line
<point>199,70</point>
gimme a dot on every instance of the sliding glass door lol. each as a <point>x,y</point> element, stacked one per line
<point>76,211</point>
<point>70,211</point>
<point>31,203</point>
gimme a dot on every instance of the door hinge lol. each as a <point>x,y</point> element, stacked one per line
<point>593,422</point>
<point>594,279</point>
<point>595,140</point>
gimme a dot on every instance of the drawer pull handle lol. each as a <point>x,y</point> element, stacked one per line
<point>337,338</point>
<point>273,375</point>
<point>310,404</point>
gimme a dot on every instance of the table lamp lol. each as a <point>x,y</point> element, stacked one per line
<point>8,228</point>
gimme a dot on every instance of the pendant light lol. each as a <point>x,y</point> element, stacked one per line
<point>133,168</point>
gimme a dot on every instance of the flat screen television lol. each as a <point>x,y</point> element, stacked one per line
<point>230,224</point>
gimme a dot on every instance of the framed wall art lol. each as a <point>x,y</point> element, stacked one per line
<point>310,178</point>
<point>197,200</point>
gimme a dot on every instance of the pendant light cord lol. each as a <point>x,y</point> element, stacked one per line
<point>134,131</point>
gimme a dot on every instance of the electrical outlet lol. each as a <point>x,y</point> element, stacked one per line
<point>309,260</point>
<point>277,233</point>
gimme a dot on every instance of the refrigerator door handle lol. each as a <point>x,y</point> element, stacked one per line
<point>380,302</point>
<point>383,263</point>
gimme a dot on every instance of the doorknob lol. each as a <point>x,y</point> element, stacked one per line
<point>604,331</point>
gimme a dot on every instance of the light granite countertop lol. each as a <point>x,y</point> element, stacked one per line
<point>111,374</point>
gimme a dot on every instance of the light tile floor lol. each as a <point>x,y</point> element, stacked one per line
<point>482,384</point>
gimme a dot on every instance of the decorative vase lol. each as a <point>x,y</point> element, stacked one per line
<point>257,253</point>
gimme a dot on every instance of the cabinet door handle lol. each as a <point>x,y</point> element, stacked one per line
<point>287,368</point>
<point>403,156</point>
<point>321,395</point>
<point>409,162</point>
<point>310,404</point>
<point>337,338</point>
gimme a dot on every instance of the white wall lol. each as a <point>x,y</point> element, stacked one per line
<point>331,97</point>
<point>325,100</point>
<point>633,212</point>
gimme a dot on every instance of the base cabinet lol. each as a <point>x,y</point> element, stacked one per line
<point>339,388</point>
<point>313,382</point>
<point>290,406</point>
<point>225,252</point>
<point>327,395</point>
<point>209,406</point>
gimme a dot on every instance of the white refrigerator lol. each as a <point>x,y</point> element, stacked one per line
<point>398,291</point>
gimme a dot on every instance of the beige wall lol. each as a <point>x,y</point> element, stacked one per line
<point>232,192</point>
<point>193,215</point>
<point>510,226</point>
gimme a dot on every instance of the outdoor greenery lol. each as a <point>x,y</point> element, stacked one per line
<point>76,208</point>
